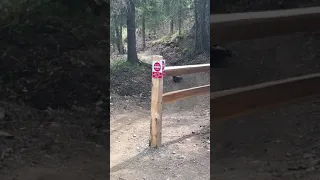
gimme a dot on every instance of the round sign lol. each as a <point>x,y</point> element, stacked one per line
<point>157,66</point>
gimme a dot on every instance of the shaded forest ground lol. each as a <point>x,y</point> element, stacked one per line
<point>185,123</point>
<point>54,94</point>
<point>54,98</point>
<point>275,144</point>
<point>278,143</point>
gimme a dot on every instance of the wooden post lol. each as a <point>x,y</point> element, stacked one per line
<point>156,103</point>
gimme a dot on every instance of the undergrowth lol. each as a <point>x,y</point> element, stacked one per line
<point>53,54</point>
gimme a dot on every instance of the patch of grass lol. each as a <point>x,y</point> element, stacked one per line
<point>163,39</point>
<point>123,65</point>
<point>170,38</point>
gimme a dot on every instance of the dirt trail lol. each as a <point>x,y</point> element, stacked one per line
<point>185,153</point>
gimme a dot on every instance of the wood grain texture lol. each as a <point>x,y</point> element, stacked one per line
<point>188,69</point>
<point>156,109</point>
<point>239,101</point>
<point>226,28</point>
<point>185,93</point>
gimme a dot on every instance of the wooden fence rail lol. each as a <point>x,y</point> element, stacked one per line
<point>188,69</point>
<point>232,27</point>
<point>239,101</point>
<point>158,98</point>
<point>184,93</point>
<point>227,28</point>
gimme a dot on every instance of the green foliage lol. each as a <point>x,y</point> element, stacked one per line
<point>175,37</point>
<point>122,64</point>
<point>161,11</point>
<point>151,12</point>
<point>156,13</point>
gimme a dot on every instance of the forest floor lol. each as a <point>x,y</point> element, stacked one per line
<point>279,143</point>
<point>185,153</point>
<point>39,140</point>
<point>54,99</point>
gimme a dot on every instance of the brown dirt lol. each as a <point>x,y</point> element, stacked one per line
<point>275,144</point>
<point>54,95</point>
<point>186,135</point>
<point>185,140</point>
<point>51,144</point>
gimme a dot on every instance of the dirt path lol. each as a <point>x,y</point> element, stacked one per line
<point>185,153</point>
<point>276,144</point>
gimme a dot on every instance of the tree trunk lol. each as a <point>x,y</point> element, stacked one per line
<point>113,47</point>
<point>120,34</point>
<point>202,26</point>
<point>180,17</point>
<point>171,25</point>
<point>131,32</point>
<point>196,26</point>
<point>118,38</point>
<point>144,25</point>
<point>206,26</point>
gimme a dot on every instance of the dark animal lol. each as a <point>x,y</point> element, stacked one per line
<point>218,56</point>
<point>176,79</point>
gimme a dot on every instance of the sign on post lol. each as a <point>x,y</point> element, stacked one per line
<point>157,69</point>
<point>156,101</point>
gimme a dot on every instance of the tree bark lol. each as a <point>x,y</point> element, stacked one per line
<point>171,25</point>
<point>180,17</point>
<point>121,51</point>
<point>131,32</point>
<point>117,31</point>
<point>144,25</point>
<point>202,26</point>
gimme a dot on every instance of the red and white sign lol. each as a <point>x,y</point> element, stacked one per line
<point>157,69</point>
<point>163,66</point>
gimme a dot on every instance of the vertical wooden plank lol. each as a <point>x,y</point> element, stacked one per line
<point>156,108</point>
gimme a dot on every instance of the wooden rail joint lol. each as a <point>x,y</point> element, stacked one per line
<point>158,98</point>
